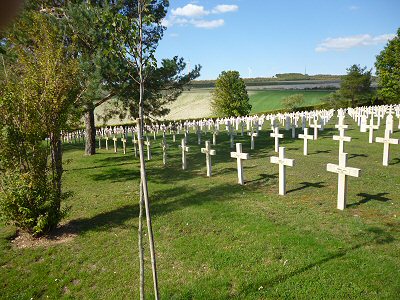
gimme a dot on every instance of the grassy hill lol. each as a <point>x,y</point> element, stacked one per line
<point>214,238</point>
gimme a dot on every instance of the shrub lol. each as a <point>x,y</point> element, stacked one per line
<point>293,102</point>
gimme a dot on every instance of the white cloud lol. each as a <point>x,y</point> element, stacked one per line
<point>347,42</point>
<point>190,10</point>
<point>354,7</point>
<point>193,14</point>
<point>208,24</point>
<point>224,8</point>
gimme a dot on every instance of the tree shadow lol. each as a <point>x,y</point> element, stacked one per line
<point>305,185</point>
<point>380,237</point>
<point>369,197</point>
<point>98,167</point>
<point>160,204</point>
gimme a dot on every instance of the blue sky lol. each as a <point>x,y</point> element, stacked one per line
<point>261,38</point>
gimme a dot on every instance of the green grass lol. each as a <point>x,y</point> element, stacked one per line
<point>216,239</point>
<point>272,99</point>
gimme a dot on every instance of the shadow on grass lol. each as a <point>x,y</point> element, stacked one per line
<point>305,185</point>
<point>354,155</point>
<point>162,202</point>
<point>395,161</point>
<point>380,237</point>
<point>369,197</point>
<point>98,167</point>
<point>263,178</point>
<point>320,151</point>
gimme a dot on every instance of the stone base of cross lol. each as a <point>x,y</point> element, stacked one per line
<point>343,171</point>
<point>282,162</point>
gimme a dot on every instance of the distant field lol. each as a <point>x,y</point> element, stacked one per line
<point>272,99</point>
<point>197,103</point>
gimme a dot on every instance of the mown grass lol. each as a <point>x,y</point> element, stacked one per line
<point>216,239</point>
<point>272,99</point>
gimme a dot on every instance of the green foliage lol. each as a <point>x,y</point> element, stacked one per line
<point>388,70</point>
<point>293,101</point>
<point>356,85</point>
<point>230,96</point>
<point>40,83</point>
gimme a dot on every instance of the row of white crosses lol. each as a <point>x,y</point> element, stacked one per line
<point>361,114</point>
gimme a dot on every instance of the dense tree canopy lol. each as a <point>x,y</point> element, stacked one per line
<point>356,85</point>
<point>230,96</point>
<point>388,71</point>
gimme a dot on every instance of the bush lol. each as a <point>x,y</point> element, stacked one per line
<point>29,202</point>
<point>293,102</point>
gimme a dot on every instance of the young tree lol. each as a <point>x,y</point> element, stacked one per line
<point>293,101</point>
<point>230,96</point>
<point>356,85</point>
<point>38,89</point>
<point>105,73</point>
<point>388,71</point>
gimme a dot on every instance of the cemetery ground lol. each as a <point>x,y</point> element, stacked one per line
<point>214,238</point>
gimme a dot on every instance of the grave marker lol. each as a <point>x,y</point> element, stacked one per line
<point>277,136</point>
<point>305,136</point>
<point>239,155</point>
<point>148,145</point>
<point>115,139</point>
<point>184,150</point>
<point>343,171</point>
<point>208,152</point>
<point>387,141</point>
<point>282,162</point>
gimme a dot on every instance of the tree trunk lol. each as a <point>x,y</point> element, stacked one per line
<point>90,143</point>
<point>56,160</point>
<point>140,243</point>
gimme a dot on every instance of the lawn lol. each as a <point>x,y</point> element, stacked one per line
<point>272,99</point>
<point>216,239</point>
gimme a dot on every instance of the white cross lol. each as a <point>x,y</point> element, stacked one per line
<point>164,146</point>
<point>134,141</point>
<point>99,142</point>
<point>231,134</point>
<point>315,126</point>
<point>277,136</point>
<point>386,145</point>
<point>252,135</point>
<point>208,152</point>
<point>371,128</point>
<point>341,138</point>
<point>343,171</point>
<point>215,133</point>
<point>106,138</point>
<point>184,150</point>
<point>198,131</point>
<point>123,140</point>
<point>148,144</point>
<point>239,155</point>
<point>389,123</point>
<point>115,144</point>
<point>306,137</point>
<point>282,162</point>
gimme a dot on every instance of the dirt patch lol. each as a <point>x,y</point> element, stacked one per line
<point>60,235</point>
